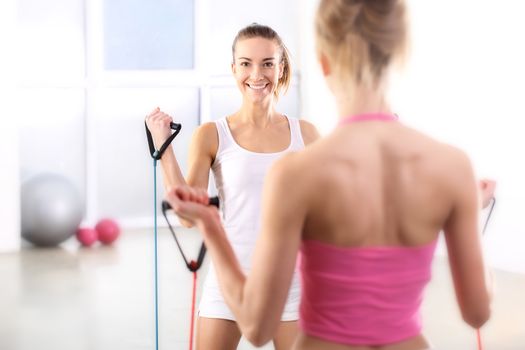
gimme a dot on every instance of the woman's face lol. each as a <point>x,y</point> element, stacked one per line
<point>257,68</point>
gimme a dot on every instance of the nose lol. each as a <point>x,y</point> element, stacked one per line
<point>256,72</point>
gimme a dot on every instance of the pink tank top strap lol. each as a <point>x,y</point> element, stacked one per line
<point>368,117</point>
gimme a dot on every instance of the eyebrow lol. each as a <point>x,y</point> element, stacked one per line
<point>264,60</point>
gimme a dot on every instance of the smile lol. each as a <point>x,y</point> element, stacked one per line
<point>257,86</point>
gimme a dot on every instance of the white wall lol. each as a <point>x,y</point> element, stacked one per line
<point>317,104</point>
<point>9,187</point>
<point>9,171</point>
<point>463,85</point>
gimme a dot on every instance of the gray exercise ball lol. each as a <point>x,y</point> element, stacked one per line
<point>51,209</point>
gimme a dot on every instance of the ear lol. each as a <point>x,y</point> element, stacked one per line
<point>325,64</point>
<point>234,70</point>
<point>281,70</point>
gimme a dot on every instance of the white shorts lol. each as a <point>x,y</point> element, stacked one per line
<point>212,304</point>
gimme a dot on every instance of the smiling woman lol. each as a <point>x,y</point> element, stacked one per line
<point>260,60</point>
<point>239,149</point>
<point>257,74</point>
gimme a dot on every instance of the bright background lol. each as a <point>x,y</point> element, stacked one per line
<point>77,78</point>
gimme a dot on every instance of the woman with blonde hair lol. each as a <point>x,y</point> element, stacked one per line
<point>239,149</point>
<point>362,207</point>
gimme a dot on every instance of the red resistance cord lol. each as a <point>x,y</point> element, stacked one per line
<point>192,322</point>
<point>478,332</point>
<point>480,345</point>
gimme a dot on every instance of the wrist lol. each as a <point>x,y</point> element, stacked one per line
<point>209,223</point>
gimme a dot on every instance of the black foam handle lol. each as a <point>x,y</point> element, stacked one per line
<point>157,154</point>
<point>213,201</point>
<point>493,201</point>
<point>191,265</point>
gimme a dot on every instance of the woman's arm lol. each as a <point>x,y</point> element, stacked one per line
<point>257,300</point>
<point>202,151</point>
<point>464,248</point>
<point>309,132</point>
<point>158,124</point>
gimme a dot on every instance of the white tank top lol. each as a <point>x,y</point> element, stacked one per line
<point>239,177</point>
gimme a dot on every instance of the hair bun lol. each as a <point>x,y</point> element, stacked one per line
<point>362,35</point>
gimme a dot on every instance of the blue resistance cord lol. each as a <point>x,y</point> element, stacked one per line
<point>192,265</point>
<point>156,155</point>
<point>156,255</point>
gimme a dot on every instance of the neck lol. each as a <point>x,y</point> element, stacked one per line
<point>361,100</point>
<point>259,114</point>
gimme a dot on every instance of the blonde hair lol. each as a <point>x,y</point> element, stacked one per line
<point>256,30</point>
<point>361,38</point>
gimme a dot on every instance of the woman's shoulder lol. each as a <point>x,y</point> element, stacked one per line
<point>208,129</point>
<point>448,161</point>
<point>434,147</point>
<point>205,136</point>
<point>447,152</point>
<point>308,131</point>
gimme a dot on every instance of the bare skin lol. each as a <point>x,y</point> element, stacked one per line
<point>371,190</point>
<point>359,214</point>
<point>257,127</point>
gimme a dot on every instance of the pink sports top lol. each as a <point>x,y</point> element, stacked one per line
<point>363,295</point>
<point>368,117</point>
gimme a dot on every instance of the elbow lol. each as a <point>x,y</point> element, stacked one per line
<point>257,338</point>
<point>476,307</point>
<point>477,318</point>
<point>258,321</point>
<point>257,334</point>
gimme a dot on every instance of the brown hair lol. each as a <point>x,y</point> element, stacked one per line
<point>362,37</point>
<point>256,30</point>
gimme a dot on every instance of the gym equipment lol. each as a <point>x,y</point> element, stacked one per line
<point>156,155</point>
<point>192,265</point>
<point>87,236</point>
<point>51,209</point>
<point>108,231</point>
<point>493,200</point>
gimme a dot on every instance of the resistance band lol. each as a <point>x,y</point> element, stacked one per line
<point>192,265</point>
<point>493,203</point>
<point>156,155</point>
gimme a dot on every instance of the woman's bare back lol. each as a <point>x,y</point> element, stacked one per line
<point>380,184</point>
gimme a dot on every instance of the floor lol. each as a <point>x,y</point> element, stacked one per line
<point>102,298</point>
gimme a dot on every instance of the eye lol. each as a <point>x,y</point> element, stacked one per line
<point>244,64</point>
<point>268,65</point>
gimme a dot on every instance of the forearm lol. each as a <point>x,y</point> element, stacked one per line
<point>172,176</point>
<point>254,320</point>
<point>489,277</point>
<point>171,173</point>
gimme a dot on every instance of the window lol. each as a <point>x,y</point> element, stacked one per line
<point>148,35</point>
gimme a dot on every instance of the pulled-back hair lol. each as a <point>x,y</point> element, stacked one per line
<point>361,38</point>
<point>256,30</point>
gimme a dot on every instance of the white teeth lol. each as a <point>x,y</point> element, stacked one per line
<point>257,87</point>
